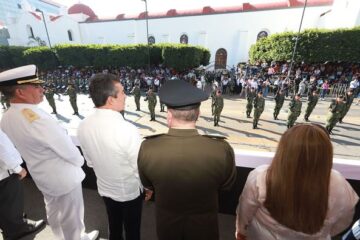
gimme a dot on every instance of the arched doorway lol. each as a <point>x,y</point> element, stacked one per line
<point>220,58</point>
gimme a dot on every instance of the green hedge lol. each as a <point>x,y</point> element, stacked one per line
<point>314,46</point>
<point>177,56</point>
<point>43,57</point>
<point>12,56</point>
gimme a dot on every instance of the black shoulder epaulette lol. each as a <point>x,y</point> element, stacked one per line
<point>215,137</point>
<point>153,136</point>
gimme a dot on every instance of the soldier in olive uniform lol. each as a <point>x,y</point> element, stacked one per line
<point>336,110</point>
<point>162,107</point>
<point>151,98</point>
<point>250,98</point>
<point>349,98</point>
<point>218,107</point>
<point>185,169</point>
<point>279,102</point>
<point>71,91</point>
<point>294,110</point>
<point>311,103</point>
<point>213,97</point>
<point>259,105</point>
<point>137,94</point>
<point>49,94</point>
<point>4,102</point>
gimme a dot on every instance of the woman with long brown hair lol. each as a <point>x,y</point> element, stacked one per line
<point>298,196</point>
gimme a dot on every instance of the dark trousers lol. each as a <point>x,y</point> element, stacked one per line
<point>125,215</point>
<point>11,206</point>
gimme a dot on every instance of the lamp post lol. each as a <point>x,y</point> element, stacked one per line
<point>147,33</point>
<point>43,17</point>
<point>296,42</point>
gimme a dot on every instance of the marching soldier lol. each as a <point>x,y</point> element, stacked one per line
<point>137,94</point>
<point>250,98</point>
<point>279,102</point>
<point>49,94</point>
<point>162,107</point>
<point>4,102</point>
<point>294,110</point>
<point>336,109</point>
<point>218,107</point>
<point>349,98</point>
<point>213,97</point>
<point>312,101</point>
<point>151,98</point>
<point>259,105</point>
<point>71,91</point>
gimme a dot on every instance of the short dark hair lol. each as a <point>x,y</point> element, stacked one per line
<point>102,86</point>
<point>9,91</point>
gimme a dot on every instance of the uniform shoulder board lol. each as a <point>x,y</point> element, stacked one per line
<point>30,115</point>
<point>220,137</point>
<point>153,136</point>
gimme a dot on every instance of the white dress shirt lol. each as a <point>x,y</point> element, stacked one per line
<point>111,146</point>
<point>54,162</point>
<point>10,158</point>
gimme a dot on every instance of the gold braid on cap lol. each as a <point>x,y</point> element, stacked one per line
<point>34,80</point>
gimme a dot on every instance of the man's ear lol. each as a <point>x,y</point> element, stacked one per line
<point>109,100</point>
<point>19,93</point>
<point>169,117</point>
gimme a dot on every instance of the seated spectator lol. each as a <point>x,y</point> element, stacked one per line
<point>298,196</point>
<point>354,232</point>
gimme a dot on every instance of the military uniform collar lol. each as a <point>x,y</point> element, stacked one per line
<point>183,132</point>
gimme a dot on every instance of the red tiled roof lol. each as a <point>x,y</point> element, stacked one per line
<point>54,18</point>
<point>35,15</point>
<point>207,10</point>
<point>81,8</point>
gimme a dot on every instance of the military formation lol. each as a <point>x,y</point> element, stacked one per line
<point>255,102</point>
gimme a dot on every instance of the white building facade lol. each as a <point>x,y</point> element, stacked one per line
<point>227,32</point>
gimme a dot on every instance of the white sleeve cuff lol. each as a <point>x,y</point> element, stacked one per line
<point>17,169</point>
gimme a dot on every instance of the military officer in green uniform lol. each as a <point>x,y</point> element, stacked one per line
<point>218,107</point>
<point>336,110</point>
<point>185,169</point>
<point>349,98</point>
<point>250,98</point>
<point>279,102</point>
<point>259,105</point>
<point>137,94</point>
<point>311,103</point>
<point>49,94</point>
<point>71,91</point>
<point>151,98</point>
<point>294,110</point>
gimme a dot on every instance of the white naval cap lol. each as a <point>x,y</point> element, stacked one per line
<point>20,75</point>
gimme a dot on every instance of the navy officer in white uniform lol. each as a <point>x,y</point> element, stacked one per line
<point>12,222</point>
<point>53,160</point>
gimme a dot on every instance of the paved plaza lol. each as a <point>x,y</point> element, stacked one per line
<point>233,123</point>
